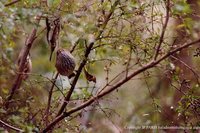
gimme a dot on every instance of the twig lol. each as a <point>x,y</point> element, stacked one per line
<point>117,85</point>
<point>74,46</point>
<point>107,116</point>
<point>163,30</point>
<point>190,68</point>
<point>49,98</point>
<point>11,127</point>
<point>50,80</point>
<point>11,3</point>
<point>66,100</point>
<point>152,16</point>
<point>27,47</point>
<point>121,74</point>
<point>87,52</point>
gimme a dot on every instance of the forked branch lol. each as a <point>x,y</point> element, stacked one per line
<point>87,52</point>
<point>109,89</point>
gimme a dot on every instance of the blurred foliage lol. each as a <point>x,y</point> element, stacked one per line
<point>128,41</point>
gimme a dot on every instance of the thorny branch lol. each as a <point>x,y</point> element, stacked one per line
<point>109,89</point>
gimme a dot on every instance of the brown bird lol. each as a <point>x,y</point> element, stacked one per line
<point>65,62</point>
<point>27,65</point>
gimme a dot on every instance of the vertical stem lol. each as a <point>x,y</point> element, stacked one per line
<point>49,99</point>
<point>163,29</point>
<point>28,44</point>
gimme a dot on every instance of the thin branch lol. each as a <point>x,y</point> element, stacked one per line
<point>49,98</point>
<point>152,17</point>
<point>67,98</point>
<point>152,97</point>
<point>28,44</point>
<point>190,68</point>
<point>128,61</point>
<point>190,99</point>
<point>117,85</point>
<point>107,116</point>
<point>118,76</point>
<point>11,3</point>
<point>11,127</point>
<point>142,69</point>
<point>74,46</point>
<point>163,30</point>
<point>50,80</point>
<point>87,52</point>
